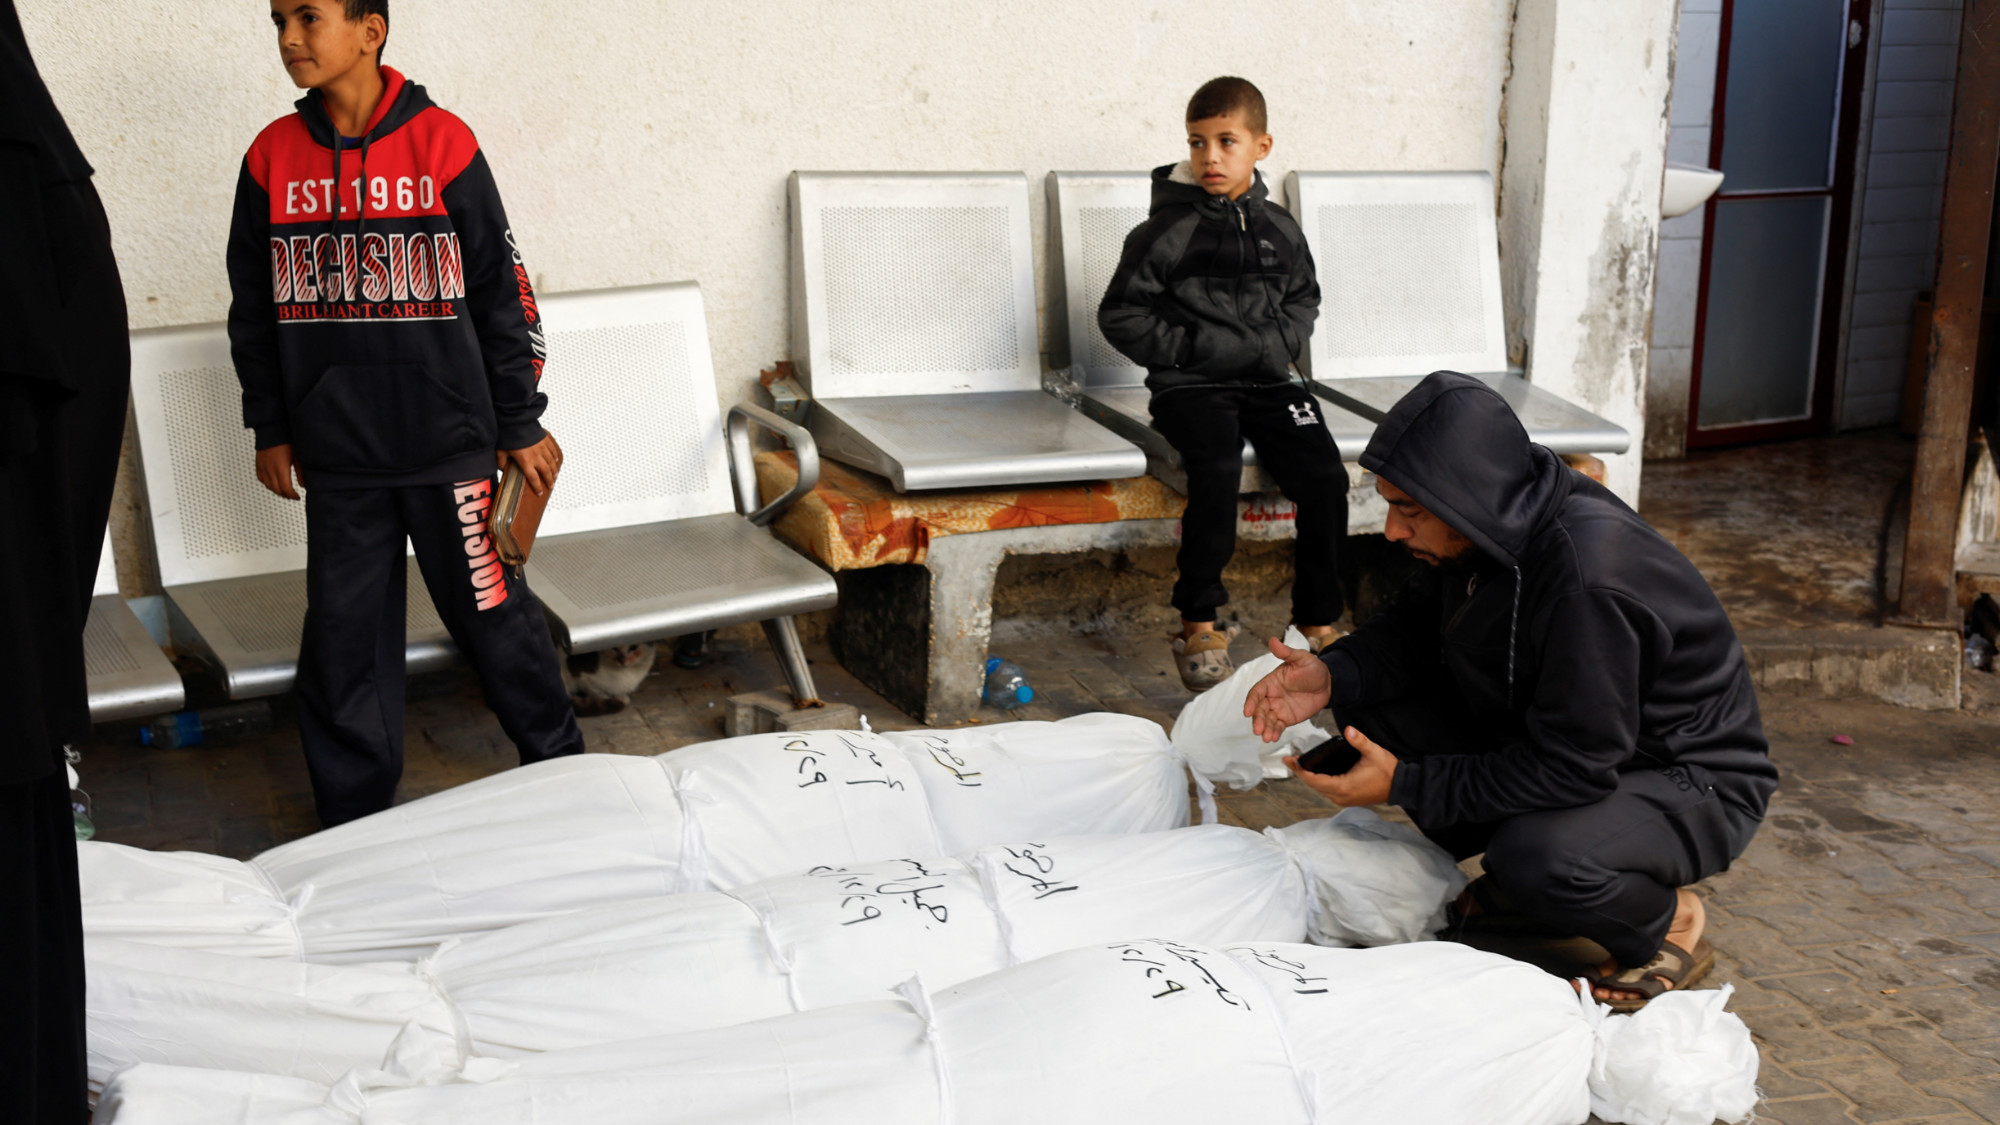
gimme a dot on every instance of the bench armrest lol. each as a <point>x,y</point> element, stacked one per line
<point>743,465</point>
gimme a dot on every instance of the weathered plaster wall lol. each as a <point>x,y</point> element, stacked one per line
<point>1586,133</point>
<point>640,141</point>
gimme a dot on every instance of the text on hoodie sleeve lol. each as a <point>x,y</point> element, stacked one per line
<point>501,302</point>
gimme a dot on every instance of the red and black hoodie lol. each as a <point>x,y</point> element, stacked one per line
<point>381,320</point>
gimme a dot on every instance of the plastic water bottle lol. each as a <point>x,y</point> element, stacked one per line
<point>79,807</point>
<point>213,724</point>
<point>1006,685</point>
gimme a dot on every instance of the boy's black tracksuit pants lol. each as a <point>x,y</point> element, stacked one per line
<point>351,658</point>
<point>1207,426</point>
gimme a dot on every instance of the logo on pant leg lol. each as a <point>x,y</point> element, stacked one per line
<point>1302,414</point>
<point>489,574</point>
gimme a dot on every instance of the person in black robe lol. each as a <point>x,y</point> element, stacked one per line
<point>65,370</point>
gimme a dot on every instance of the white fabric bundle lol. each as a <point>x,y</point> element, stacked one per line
<point>837,934</point>
<point>562,835</point>
<point>1218,740</point>
<point>1155,1031</point>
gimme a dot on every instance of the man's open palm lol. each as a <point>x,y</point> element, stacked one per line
<point>1295,691</point>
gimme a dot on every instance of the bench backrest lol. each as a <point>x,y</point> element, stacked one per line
<point>631,398</point>
<point>107,570</point>
<point>1090,213</point>
<point>913,283</point>
<point>211,519</point>
<point>1409,272</point>
<point>631,389</point>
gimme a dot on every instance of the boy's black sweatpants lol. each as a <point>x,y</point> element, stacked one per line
<point>351,662</point>
<point>1605,871</point>
<point>1207,426</point>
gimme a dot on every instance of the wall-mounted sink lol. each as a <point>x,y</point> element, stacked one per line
<point>1687,187</point>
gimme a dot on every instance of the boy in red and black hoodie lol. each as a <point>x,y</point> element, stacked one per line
<point>387,340</point>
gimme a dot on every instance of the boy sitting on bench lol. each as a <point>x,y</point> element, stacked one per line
<point>1215,295</point>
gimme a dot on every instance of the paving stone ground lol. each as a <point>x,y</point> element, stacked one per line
<point>1861,929</point>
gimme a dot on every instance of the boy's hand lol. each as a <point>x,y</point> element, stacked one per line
<point>275,471</point>
<point>1295,691</point>
<point>539,463</point>
<point>1365,784</point>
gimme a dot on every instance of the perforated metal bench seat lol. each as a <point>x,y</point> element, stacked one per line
<point>1549,419</point>
<point>1124,409</point>
<point>250,628</point>
<point>624,585</point>
<point>128,676</point>
<point>971,440</point>
<point>914,329</point>
<point>232,556</point>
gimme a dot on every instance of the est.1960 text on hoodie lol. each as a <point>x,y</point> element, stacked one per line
<point>381,321</point>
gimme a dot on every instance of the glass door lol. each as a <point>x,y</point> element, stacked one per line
<point>1774,243</point>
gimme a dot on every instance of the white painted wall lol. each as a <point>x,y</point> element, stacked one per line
<point>638,141</point>
<point>1916,64</point>
<point>1671,359</point>
<point>1587,110</point>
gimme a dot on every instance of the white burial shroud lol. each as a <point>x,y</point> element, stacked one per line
<point>836,934</point>
<point>1150,1031</point>
<point>576,832</point>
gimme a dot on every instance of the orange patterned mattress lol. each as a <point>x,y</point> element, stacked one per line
<point>853,519</point>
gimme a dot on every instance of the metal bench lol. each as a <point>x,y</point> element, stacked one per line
<point>1409,271</point>
<point>1409,275</point>
<point>129,677</point>
<point>1090,215</point>
<point>232,556</point>
<point>641,539</point>
<point>645,536</point>
<point>914,328</point>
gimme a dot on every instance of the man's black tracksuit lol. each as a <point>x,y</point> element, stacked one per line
<point>1571,700</point>
<point>383,326</point>
<point>1216,298</point>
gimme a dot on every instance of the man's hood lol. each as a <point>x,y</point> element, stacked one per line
<point>1174,185</point>
<point>1456,447</point>
<point>401,101</point>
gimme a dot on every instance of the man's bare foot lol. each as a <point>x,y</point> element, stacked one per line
<point>1189,629</point>
<point>1690,919</point>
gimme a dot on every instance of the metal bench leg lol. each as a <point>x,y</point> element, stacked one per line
<point>784,638</point>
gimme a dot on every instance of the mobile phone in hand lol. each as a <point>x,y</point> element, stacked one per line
<point>1335,757</point>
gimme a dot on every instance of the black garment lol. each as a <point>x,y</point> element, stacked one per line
<point>1607,869</point>
<point>389,335</point>
<point>1604,870</point>
<point>41,993</point>
<point>1212,290</point>
<point>350,682</point>
<point>1584,646</point>
<point>64,376</point>
<point>1207,426</point>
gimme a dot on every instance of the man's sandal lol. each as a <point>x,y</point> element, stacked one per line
<point>1671,968</point>
<point>1203,659</point>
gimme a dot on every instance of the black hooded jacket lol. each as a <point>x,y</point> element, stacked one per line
<point>382,322</point>
<point>1211,290</point>
<point>1583,641</point>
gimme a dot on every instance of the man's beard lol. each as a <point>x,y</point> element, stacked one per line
<point>1469,561</point>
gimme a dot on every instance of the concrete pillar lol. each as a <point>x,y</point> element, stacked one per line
<point>1586,136</point>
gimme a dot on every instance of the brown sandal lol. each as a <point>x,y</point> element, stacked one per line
<point>1671,968</point>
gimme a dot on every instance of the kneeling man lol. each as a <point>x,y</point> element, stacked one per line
<point>1559,689</point>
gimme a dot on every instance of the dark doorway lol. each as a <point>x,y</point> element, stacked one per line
<point>1774,246</point>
